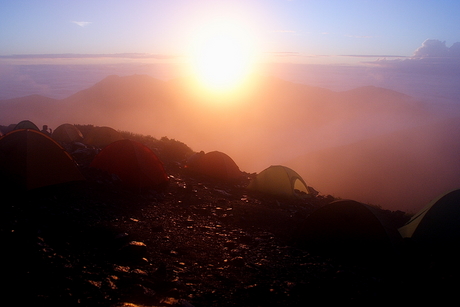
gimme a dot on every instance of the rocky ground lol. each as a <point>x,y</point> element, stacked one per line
<point>199,242</point>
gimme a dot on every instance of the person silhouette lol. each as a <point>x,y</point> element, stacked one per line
<point>45,130</point>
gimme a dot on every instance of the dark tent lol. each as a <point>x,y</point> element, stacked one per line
<point>438,223</point>
<point>29,159</point>
<point>135,164</point>
<point>102,136</point>
<point>349,227</point>
<point>67,133</point>
<point>6,129</point>
<point>215,164</point>
<point>26,124</point>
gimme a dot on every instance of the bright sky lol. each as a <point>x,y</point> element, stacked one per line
<point>295,30</point>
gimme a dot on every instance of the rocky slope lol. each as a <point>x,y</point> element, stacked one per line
<point>198,242</point>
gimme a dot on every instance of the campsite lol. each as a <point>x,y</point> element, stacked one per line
<point>94,216</point>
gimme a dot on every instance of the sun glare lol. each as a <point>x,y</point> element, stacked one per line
<point>222,56</point>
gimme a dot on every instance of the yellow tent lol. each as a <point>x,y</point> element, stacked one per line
<point>281,181</point>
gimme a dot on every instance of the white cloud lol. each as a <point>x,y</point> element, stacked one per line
<point>431,48</point>
<point>454,50</point>
<point>433,56</point>
<point>436,48</point>
<point>82,23</point>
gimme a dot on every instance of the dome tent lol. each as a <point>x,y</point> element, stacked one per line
<point>102,136</point>
<point>215,164</point>
<point>348,227</point>
<point>29,159</point>
<point>26,124</point>
<point>67,133</point>
<point>135,164</point>
<point>438,223</point>
<point>279,180</point>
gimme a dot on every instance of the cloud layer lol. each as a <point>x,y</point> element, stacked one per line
<point>433,58</point>
<point>89,56</point>
<point>433,48</point>
<point>431,72</point>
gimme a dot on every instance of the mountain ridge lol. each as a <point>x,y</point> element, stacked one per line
<point>274,103</point>
<point>272,122</point>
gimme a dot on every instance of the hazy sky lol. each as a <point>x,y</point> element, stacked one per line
<point>57,48</point>
<point>315,31</point>
<point>409,46</point>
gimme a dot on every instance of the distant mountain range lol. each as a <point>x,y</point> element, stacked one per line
<point>400,170</point>
<point>270,122</point>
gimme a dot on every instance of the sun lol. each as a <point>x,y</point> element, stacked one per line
<point>222,56</point>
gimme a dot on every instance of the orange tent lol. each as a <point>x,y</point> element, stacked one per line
<point>216,164</point>
<point>30,159</point>
<point>102,136</point>
<point>67,133</point>
<point>134,163</point>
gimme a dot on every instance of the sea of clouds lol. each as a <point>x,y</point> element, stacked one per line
<point>62,80</point>
<point>432,73</point>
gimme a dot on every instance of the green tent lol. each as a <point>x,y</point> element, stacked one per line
<point>437,223</point>
<point>26,124</point>
<point>281,181</point>
<point>67,133</point>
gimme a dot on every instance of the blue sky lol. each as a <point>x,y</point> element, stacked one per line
<point>299,31</point>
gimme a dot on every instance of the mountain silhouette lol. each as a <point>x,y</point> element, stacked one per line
<point>270,121</point>
<point>37,107</point>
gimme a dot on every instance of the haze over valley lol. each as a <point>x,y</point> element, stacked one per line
<point>371,144</point>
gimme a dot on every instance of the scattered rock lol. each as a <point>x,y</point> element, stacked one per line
<point>134,251</point>
<point>200,242</point>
